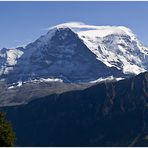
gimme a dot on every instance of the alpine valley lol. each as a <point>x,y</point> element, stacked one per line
<point>77,85</point>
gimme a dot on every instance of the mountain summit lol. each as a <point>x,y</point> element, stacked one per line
<point>75,52</point>
<point>115,46</point>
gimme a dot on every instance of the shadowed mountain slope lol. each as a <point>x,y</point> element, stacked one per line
<point>107,114</point>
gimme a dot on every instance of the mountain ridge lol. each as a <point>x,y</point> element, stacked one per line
<point>107,114</point>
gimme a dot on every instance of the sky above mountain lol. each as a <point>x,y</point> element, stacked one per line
<point>23,22</point>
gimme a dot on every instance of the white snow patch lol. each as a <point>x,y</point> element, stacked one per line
<point>20,83</point>
<point>111,78</point>
<point>10,87</point>
<point>50,80</point>
<point>13,55</point>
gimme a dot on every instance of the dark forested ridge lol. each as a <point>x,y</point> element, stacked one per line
<point>107,114</point>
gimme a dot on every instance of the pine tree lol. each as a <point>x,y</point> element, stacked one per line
<point>7,136</point>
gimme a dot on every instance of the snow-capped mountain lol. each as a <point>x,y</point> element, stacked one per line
<point>75,52</point>
<point>114,46</point>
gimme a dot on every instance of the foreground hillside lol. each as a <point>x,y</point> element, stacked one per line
<point>107,114</point>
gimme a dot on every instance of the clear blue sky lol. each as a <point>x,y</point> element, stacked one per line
<point>23,22</point>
